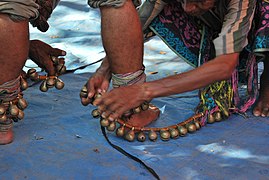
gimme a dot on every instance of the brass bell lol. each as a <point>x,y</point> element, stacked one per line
<point>144,106</point>
<point>55,60</point>
<point>3,118</point>
<point>104,122</point>
<point>197,125</point>
<point>130,136</point>
<point>43,86</point>
<point>61,68</point>
<point>191,127</point>
<point>13,110</point>
<point>141,137</point>
<point>174,133</point>
<point>59,84</point>
<point>84,92</point>
<point>2,110</point>
<point>98,95</point>
<point>95,113</point>
<point>182,130</point>
<point>120,131</point>
<point>50,82</point>
<point>137,110</point>
<point>20,115</point>
<point>152,135</point>
<point>218,116</point>
<point>22,103</point>
<point>165,135</point>
<point>85,101</point>
<point>24,84</point>
<point>32,74</point>
<point>111,127</point>
<point>210,119</point>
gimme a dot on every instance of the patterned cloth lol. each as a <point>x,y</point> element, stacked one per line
<point>196,42</point>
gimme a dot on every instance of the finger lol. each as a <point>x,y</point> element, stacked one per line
<point>85,101</point>
<point>91,88</point>
<point>57,52</point>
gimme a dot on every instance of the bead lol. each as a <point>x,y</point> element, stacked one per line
<point>165,135</point>
<point>2,109</point>
<point>137,110</point>
<point>3,118</point>
<point>111,127</point>
<point>50,82</point>
<point>20,115</point>
<point>182,130</point>
<point>59,84</point>
<point>95,113</point>
<point>144,106</point>
<point>197,125</point>
<point>22,103</point>
<point>104,122</point>
<point>152,135</point>
<point>218,117</point>
<point>141,137</point>
<point>13,110</point>
<point>43,86</point>
<point>191,127</point>
<point>174,133</point>
<point>120,131</point>
<point>210,119</point>
<point>130,136</point>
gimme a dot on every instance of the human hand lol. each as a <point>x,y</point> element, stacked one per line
<point>98,83</point>
<point>115,103</point>
<point>44,56</point>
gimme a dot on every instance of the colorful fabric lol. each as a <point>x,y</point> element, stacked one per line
<point>193,40</point>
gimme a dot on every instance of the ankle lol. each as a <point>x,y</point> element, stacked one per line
<point>6,133</point>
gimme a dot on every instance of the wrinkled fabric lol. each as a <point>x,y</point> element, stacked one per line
<point>19,9</point>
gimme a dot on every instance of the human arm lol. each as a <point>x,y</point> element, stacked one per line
<point>119,100</point>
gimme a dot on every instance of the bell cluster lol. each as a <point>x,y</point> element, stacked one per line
<point>141,134</point>
<point>12,110</point>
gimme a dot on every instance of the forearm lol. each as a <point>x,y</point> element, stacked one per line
<point>218,69</point>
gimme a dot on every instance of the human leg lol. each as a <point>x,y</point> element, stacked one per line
<point>14,43</point>
<point>262,105</point>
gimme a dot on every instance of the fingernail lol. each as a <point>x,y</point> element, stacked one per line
<point>90,95</point>
<point>103,115</point>
<point>111,118</point>
<point>63,53</point>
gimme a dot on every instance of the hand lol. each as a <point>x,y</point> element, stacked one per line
<point>42,53</point>
<point>113,104</point>
<point>45,10</point>
<point>98,82</point>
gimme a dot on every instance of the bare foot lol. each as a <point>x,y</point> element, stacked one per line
<point>144,118</point>
<point>6,137</point>
<point>262,106</point>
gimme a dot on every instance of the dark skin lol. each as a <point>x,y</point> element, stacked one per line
<point>119,100</point>
<point>41,54</point>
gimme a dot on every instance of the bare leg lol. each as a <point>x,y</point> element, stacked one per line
<point>262,105</point>
<point>14,43</point>
<point>123,42</point>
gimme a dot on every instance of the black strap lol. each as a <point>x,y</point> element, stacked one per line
<point>129,155</point>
